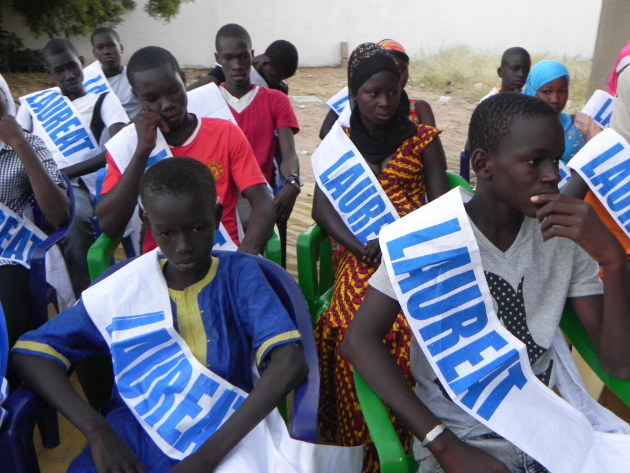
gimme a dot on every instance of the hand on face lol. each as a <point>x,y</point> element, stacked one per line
<point>146,125</point>
<point>564,216</point>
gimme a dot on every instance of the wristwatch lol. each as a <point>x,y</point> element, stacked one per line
<point>294,180</point>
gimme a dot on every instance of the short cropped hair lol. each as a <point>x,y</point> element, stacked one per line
<point>150,57</point>
<point>283,56</point>
<point>178,176</point>
<point>104,30</point>
<point>490,122</point>
<point>58,46</point>
<point>232,30</point>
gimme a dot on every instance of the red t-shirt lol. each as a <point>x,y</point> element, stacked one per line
<point>269,111</point>
<point>222,147</point>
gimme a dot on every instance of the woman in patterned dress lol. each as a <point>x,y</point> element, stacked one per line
<point>409,163</point>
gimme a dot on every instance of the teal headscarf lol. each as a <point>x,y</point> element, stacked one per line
<point>542,73</point>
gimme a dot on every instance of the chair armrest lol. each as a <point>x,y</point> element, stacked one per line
<point>17,449</point>
<point>100,254</point>
<point>391,454</point>
<point>273,247</point>
<point>37,272</point>
<point>314,252</point>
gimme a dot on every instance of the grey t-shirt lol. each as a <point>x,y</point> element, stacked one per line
<point>529,284</point>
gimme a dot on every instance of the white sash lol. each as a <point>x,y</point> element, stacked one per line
<point>4,393</point>
<point>599,108</point>
<point>18,239</point>
<point>434,264</point>
<point>208,102</point>
<point>339,101</point>
<point>60,125</point>
<point>122,147</point>
<point>94,80</point>
<point>565,174</point>
<point>604,163</point>
<point>178,401</point>
<point>351,186</point>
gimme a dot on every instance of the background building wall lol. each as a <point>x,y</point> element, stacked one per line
<point>558,28</point>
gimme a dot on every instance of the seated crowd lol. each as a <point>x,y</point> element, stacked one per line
<point>184,171</point>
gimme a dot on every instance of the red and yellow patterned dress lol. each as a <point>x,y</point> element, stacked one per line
<point>341,421</point>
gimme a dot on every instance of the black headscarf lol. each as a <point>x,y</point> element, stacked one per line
<point>365,61</point>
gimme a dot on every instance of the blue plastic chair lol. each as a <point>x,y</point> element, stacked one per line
<point>41,293</point>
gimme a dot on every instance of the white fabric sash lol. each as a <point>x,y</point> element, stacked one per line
<point>57,121</point>
<point>94,80</point>
<point>565,174</point>
<point>207,102</point>
<point>434,264</point>
<point>339,101</point>
<point>351,186</point>
<point>599,108</point>
<point>4,393</point>
<point>122,147</point>
<point>178,401</point>
<point>604,163</point>
<point>18,239</point>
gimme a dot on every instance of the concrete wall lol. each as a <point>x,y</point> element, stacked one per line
<point>614,33</point>
<point>558,28</point>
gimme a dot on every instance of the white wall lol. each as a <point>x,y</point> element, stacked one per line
<point>558,28</point>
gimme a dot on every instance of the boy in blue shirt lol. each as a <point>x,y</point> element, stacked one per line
<point>214,320</point>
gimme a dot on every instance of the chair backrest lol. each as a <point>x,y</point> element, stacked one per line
<point>101,253</point>
<point>38,287</point>
<point>303,425</point>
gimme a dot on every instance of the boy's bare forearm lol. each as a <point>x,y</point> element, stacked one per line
<point>115,208</point>
<point>364,348</point>
<point>51,198</point>
<point>85,167</point>
<point>48,379</point>
<point>327,217</point>
<point>261,220</point>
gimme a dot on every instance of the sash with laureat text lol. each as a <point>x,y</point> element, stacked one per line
<point>604,163</point>
<point>122,147</point>
<point>434,264</point>
<point>599,108</point>
<point>179,402</point>
<point>94,80</point>
<point>345,178</point>
<point>18,239</point>
<point>59,124</point>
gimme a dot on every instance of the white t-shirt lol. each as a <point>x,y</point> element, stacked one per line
<point>120,85</point>
<point>529,284</point>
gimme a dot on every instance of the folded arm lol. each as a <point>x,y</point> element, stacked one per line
<point>286,368</point>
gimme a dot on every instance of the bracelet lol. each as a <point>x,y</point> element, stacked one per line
<point>294,181</point>
<point>433,434</point>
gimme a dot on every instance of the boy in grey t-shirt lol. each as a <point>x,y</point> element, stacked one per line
<point>517,216</point>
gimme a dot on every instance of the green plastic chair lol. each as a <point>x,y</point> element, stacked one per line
<point>315,272</point>
<point>315,277</point>
<point>573,330</point>
<point>101,253</point>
